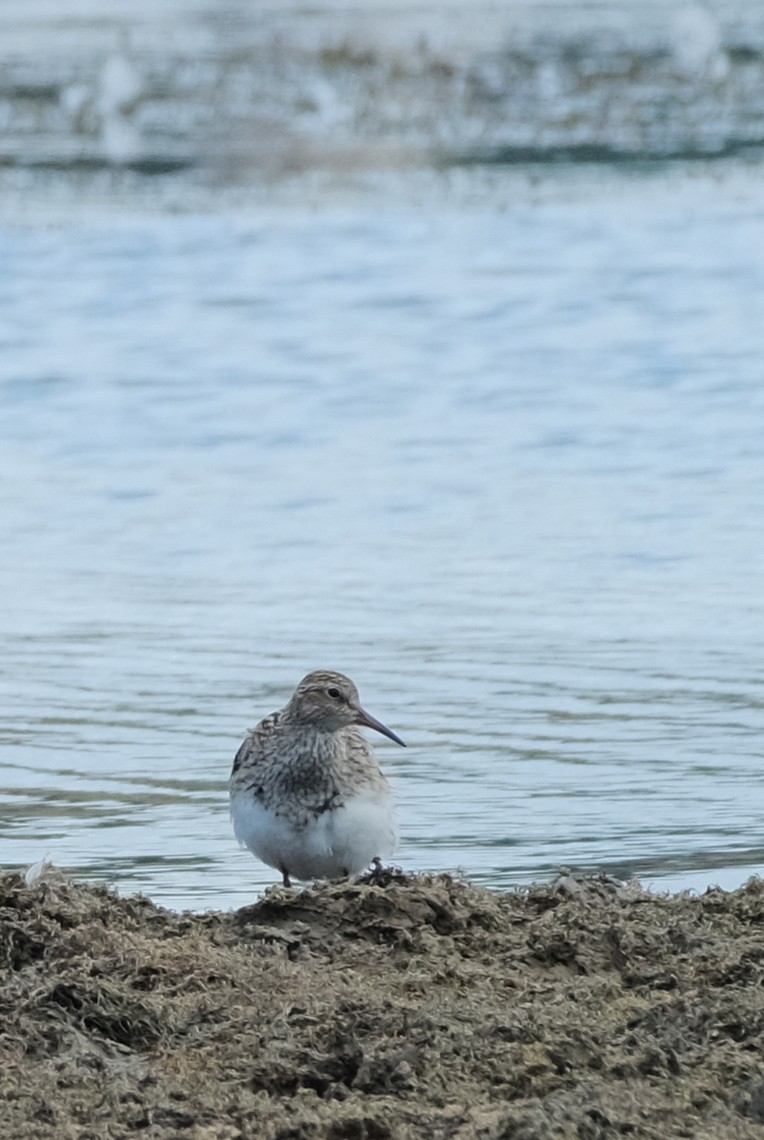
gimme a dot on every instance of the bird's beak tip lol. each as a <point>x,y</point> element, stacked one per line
<point>372,722</point>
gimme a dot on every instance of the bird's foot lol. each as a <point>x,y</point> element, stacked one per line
<point>382,876</point>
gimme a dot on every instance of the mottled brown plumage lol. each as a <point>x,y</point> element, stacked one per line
<point>307,795</point>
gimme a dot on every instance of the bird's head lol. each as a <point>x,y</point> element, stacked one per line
<point>329,701</point>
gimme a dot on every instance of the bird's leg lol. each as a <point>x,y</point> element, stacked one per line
<point>285,876</point>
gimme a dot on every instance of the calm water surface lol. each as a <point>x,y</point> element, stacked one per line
<point>502,466</point>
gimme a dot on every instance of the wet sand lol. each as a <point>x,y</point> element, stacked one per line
<point>420,1007</point>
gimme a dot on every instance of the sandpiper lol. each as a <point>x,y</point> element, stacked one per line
<point>307,796</point>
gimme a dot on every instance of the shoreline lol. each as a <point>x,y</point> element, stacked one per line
<point>422,1007</point>
<point>187,103</point>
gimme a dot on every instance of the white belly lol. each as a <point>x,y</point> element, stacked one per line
<point>339,842</point>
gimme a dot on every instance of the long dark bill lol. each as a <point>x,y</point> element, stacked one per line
<point>372,722</point>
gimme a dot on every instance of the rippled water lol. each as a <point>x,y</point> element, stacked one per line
<point>502,466</point>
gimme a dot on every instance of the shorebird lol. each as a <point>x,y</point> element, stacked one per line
<point>307,796</point>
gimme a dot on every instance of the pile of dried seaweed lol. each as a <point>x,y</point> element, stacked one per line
<point>416,1007</point>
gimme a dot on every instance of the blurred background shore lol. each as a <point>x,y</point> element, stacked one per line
<point>187,105</point>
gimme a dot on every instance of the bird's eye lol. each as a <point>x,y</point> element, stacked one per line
<point>334,693</point>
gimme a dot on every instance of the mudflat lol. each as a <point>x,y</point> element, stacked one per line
<point>409,1006</point>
